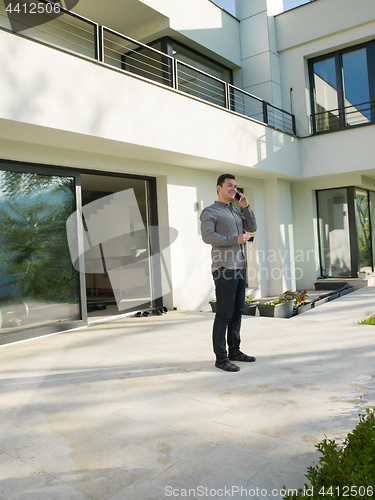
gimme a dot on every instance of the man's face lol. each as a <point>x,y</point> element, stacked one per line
<point>228,190</point>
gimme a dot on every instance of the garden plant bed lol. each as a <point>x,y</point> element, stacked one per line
<point>281,310</point>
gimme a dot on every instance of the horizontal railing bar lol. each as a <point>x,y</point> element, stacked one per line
<point>133,58</point>
<point>71,13</point>
<point>369,103</point>
<point>52,35</point>
<point>200,71</point>
<point>135,42</point>
<point>207,96</point>
<point>207,83</point>
<point>214,90</point>
<point>247,104</point>
<point>245,93</point>
<point>128,58</point>
<point>135,67</point>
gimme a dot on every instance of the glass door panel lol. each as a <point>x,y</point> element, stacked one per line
<point>334,233</point>
<point>38,284</point>
<point>117,266</point>
<point>363,230</point>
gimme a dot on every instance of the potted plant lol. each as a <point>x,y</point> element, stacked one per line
<point>362,275</point>
<point>279,308</point>
<point>213,304</point>
<point>250,305</point>
<point>301,304</point>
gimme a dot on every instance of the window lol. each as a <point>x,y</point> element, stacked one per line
<point>343,89</point>
<point>346,226</point>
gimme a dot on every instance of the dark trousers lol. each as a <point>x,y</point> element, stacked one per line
<point>230,287</point>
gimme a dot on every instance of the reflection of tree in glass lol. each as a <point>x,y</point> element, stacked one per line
<point>34,253</point>
<point>363,225</point>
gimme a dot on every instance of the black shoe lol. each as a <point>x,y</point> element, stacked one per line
<point>227,366</point>
<point>240,356</point>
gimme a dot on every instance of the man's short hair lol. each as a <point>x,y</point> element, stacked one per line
<point>221,179</point>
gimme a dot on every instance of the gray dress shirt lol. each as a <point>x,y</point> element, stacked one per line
<point>220,226</point>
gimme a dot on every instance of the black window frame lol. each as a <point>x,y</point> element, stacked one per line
<point>337,55</point>
<point>353,230</point>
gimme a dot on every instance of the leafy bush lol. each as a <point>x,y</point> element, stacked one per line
<point>367,321</point>
<point>348,472</point>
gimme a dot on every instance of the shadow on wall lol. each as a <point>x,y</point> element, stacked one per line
<point>277,149</point>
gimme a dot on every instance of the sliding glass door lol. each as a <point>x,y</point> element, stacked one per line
<point>118,266</point>
<point>346,231</point>
<point>74,248</point>
<point>38,284</point>
<point>335,253</point>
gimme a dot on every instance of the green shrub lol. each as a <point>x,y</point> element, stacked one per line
<point>344,473</point>
<point>367,321</point>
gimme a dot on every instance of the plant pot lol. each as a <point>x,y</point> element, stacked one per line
<point>320,301</point>
<point>362,276</point>
<point>334,295</point>
<point>213,306</point>
<point>346,290</point>
<point>282,310</point>
<point>250,309</point>
<point>301,309</point>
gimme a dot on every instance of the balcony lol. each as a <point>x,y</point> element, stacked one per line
<point>62,29</point>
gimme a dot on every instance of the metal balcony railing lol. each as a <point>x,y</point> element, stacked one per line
<point>343,118</point>
<point>71,32</point>
<point>135,57</point>
<point>64,29</point>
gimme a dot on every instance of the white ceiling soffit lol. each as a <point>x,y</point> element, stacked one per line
<point>125,16</point>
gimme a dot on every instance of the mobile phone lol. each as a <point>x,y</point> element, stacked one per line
<point>237,196</point>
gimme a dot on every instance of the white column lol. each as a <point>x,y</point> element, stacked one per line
<point>279,233</point>
<point>260,60</point>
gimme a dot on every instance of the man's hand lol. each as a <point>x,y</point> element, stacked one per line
<point>241,238</point>
<point>243,202</point>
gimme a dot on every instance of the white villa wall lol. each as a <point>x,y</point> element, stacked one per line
<point>339,152</point>
<point>188,259</point>
<point>205,24</point>
<point>314,29</point>
<point>260,60</point>
<point>305,225</point>
<point>50,89</point>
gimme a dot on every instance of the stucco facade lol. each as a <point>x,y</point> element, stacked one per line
<point>61,109</point>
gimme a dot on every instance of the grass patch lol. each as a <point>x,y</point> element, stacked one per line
<point>367,321</point>
<point>347,472</point>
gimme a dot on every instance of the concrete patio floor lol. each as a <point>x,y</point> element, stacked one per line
<point>135,409</point>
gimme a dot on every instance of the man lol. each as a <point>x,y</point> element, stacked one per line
<point>223,226</point>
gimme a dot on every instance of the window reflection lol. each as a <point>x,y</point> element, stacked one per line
<point>326,102</point>
<point>356,87</point>
<point>38,285</point>
<point>363,230</point>
<point>334,233</point>
<point>341,89</point>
